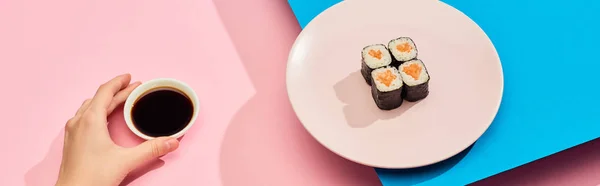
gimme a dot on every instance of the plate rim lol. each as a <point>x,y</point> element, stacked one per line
<point>445,157</point>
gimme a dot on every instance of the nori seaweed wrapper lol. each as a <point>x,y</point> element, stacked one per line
<point>366,72</point>
<point>387,100</point>
<point>417,92</point>
<point>395,62</point>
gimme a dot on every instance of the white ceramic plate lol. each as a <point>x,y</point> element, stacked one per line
<point>334,103</point>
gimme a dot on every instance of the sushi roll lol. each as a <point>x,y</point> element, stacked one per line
<point>416,80</point>
<point>373,57</point>
<point>402,49</point>
<point>387,88</point>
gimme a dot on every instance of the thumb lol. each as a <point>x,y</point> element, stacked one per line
<point>152,149</point>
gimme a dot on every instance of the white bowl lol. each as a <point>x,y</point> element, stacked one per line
<point>154,85</point>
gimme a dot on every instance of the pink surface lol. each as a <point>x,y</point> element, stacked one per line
<point>579,166</point>
<point>265,144</point>
<point>334,102</point>
<point>56,53</point>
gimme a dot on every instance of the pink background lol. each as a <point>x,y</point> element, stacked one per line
<point>54,54</point>
<point>579,166</point>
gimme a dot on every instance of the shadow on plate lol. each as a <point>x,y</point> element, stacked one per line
<point>361,110</point>
<point>418,175</point>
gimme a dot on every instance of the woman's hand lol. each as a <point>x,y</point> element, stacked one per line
<point>90,157</point>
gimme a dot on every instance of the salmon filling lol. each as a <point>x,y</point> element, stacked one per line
<point>413,70</point>
<point>386,77</point>
<point>376,54</point>
<point>404,47</point>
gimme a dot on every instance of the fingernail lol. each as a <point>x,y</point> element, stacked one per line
<point>171,144</point>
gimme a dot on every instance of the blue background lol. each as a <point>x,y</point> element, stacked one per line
<point>549,52</point>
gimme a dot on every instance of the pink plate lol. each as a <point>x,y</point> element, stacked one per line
<point>334,103</point>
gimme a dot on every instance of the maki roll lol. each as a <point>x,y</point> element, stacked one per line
<point>402,49</point>
<point>387,88</point>
<point>373,57</point>
<point>416,80</point>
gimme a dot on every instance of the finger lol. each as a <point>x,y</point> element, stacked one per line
<point>122,96</point>
<point>105,93</point>
<point>149,150</point>
<point>84,106</point>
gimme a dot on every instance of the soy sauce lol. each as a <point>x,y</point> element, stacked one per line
<point>162,112</point>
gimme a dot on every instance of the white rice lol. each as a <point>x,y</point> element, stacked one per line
<point>396,83</point>
<point>403,56</point>
<point>372,62</point>
<point>409,80</point>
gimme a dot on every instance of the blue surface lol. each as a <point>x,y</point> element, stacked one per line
<point>549,52</point>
